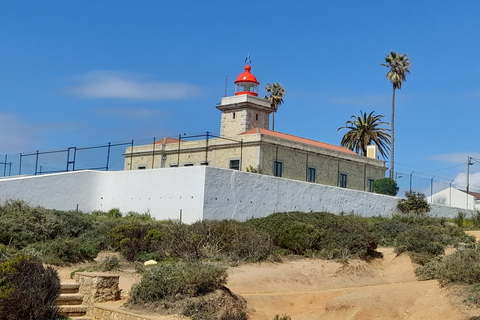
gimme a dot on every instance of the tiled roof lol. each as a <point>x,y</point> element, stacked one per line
<point>475,194</point>
<point>299,139</point>
<point>169,140</point>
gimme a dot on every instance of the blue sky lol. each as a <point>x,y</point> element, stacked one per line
<point>81,73</point>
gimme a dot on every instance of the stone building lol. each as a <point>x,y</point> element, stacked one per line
<point>246,143</point>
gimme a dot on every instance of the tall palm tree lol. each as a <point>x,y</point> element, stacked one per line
<point>276,92</point>
<point>366,130</point>
<point>399,65</point>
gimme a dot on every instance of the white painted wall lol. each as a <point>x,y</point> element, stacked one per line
<point>197,192</point>
<point>162,192</point>
<point>242,195</point>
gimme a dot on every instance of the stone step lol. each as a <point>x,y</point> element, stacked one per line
<point>81,318</point>
<point>72,311</point>
<point>69,287</point>
<point>70,299</point>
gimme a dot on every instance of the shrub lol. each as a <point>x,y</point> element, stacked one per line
<point>387,231</point>
<point>62,251</point>
<point>28,290</point>
<point>420,243</point>
<point>463,266</point>
<point>300,237</point>
<point>21,225</point>
<point>385,186</point>
<point>169,280</point>
<point>331,235</point>
<point>133,239</point>
<point>282,317</point>
<point>110,264</point>
<point>415,203</point>
<point>225,239</point>
<point>234,315</point>
<point>112,214</point>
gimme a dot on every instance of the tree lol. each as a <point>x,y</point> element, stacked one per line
<point>385,186</point>
<point>366,130</point>
<point>399,65</point>
<point>275,96</point>
<point>415,203</point>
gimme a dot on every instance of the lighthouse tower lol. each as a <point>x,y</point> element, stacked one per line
<point>245,110</point>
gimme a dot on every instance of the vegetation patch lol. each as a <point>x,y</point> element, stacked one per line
<point>330,236</point>
<point>193,289</point>
<point>28,290</point>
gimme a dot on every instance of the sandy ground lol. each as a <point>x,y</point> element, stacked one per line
<point>309,289</point>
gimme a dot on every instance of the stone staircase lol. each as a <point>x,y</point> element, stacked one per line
<point>70,302</point>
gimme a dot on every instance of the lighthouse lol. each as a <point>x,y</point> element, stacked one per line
<point>245,110</point>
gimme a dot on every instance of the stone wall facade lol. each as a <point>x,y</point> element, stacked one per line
<point>260,152</point>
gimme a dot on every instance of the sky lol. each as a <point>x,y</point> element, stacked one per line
<point>85,73</point>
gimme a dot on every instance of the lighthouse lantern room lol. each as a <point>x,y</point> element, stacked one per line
<point>246,83</point>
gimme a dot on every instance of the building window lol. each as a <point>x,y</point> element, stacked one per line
<point>342,180</point>
<point>234,164</point>
<point>142,167</point>
<point>370,185</point>
<point>256,117</point>
<point>311,174</point>
<point>277,168</point>
<point>204,163</point>
<point>173,165</point>
<point>233,115</point>
<point>188,164</point>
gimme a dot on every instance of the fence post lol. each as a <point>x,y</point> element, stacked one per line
<point>153,153</point>
<point>108,156</point>
<point>131,156</point>
<point>20,165</point>
<point>36,163</point>
<point>178,157</point>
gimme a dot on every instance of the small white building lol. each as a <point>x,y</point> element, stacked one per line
<point>456,198</point>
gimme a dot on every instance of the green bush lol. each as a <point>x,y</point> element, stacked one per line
<point>385,186</point>
<point>415,203</point>
<point>225,239</point>
<point>300,237</point>
<point>422,244</point>
<point>133,239</point>
<point>282,317</point>
<point>331,235</point>
<point>28,290</point>
<point>111,214</point>
<point>21,225</point>
<point>234,315</point>
<point>463,266</point>
<point>170,280</point>
<point>109,264</point>
<point>63,251</point>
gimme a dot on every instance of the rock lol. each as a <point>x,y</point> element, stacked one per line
<point>150,263</point>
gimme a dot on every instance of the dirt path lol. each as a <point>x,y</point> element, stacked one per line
<point>316,289</point>
<point>309,289</point>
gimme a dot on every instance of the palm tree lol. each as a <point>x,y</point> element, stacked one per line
<point>399,65</point>
<point>366,130</point>
<point>276,92</point>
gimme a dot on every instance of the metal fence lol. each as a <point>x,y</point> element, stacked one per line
<point>110,156</point>
<point>105,157</point>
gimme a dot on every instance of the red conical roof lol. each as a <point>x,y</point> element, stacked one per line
<point>246,76</point>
